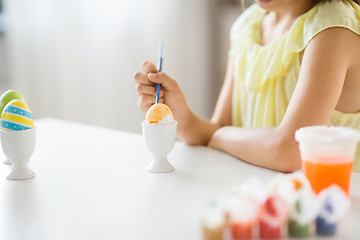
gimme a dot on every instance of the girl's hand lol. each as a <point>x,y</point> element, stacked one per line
<point>170,92</point>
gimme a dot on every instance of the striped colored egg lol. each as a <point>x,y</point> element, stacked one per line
<point>16,116</point>
<point>7,96</point>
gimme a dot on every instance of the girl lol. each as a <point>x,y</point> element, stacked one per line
<point>291,64</point>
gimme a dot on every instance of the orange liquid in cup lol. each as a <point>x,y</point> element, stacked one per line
<point>324,171</point>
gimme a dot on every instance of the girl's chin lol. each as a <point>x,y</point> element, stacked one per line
<point>263,1</point>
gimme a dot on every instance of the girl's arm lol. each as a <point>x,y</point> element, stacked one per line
<point>325,63</point>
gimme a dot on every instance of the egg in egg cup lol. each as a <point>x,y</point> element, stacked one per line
<point>6,161</point>
<point>5,98</point>
<point>19,146</point>
<point>159,140</point>
<point>18,137</point>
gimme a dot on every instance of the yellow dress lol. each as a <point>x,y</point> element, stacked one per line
<point>265,76</point>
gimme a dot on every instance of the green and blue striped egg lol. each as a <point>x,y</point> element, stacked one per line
<point>16,116</point>
<point>8,96</point>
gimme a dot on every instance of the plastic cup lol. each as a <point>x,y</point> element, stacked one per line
<point>272,217</point>
<point>333,204</point>
<point>302,213</point>
<point>325,228</point>
<point>214,223</point>
<point>327,155</point>
<point>243,219</point>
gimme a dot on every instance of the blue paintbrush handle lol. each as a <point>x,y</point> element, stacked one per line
<point>158,86</point>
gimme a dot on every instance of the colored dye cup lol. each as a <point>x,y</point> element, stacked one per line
<point>324,228</point>
<point>296,229</point>
<point>327,155</point>
<point>334,204</point>
<point>243,219</point>
<point>214,223</point>
<point>303,211</point>
<point>272,217</point>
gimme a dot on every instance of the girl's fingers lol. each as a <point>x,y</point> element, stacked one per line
<point>148,67</point>
<point>145,102</point>
<point>146,86</point>
<point>148,90</point>
<point>151,76</point>
<point>141,78</point>
<point>163,79</point>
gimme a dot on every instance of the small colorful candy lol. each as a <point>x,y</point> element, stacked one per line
<point>8,96</point>
<point>16,116</point>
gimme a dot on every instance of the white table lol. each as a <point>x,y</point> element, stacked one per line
<point>92,183</point>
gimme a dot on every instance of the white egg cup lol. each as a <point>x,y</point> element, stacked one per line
<point>159,140</point>
<point>7,162</point>
<point>18,147</point>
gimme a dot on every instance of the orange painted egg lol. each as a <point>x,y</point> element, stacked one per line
<point>159,112</point>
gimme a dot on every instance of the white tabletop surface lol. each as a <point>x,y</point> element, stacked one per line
<point>92,183</point>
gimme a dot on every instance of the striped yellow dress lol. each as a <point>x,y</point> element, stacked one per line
<point>265,76</point>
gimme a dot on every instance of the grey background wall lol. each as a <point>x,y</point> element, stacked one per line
<point>74,59</point>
